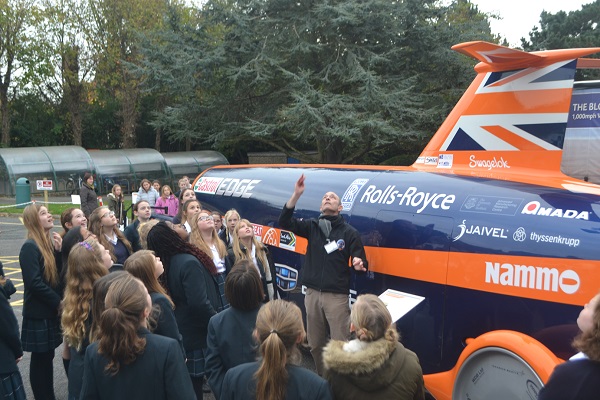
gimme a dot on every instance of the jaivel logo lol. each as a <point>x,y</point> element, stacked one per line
<point>535,208</point>
<point>480,230</point>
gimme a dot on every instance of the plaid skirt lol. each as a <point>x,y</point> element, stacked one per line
<point>195,362</point>
<point>11,387</point>
<point>220,278</point>
<point>41,335</point>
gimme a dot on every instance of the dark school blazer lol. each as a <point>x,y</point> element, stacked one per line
<point>573,380</point>
<point>230,343</point>
<point>40,300</point>
<point>303,384</point>
<point>10,341</point>
<point>196,296</point>
<point>159,373</point>
<point>166,325</point>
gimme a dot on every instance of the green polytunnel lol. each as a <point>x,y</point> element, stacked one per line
<point>60,164</point>
<point>66,165</point>
<point>127,167</point>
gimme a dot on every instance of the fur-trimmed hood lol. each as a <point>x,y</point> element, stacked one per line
<point>383,368</point>
<point>356,357</point>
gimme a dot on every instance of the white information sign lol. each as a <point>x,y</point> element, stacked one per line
<point>399,303</point>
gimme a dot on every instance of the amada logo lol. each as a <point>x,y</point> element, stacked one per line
<point>532,277</point>
<point>535,208</point>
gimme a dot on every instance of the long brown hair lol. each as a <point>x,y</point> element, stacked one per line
<point>589,342</point>
<point>141,265</point>
<point>95,226</point>
<point>197,239</point>
<point>43,240</point>
<point>126,305</point>
<point>279,328</point>
<point>101,286</point>
<point>240,254</point>
<point>84,268</point>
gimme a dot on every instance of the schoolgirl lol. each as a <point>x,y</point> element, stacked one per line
<point>579,377</point>
<point>88,261</point>
<point>103,224</point>
<point>245,246</point>
<point>232,217</point>
<point>145,266</point>
<point>40,267</point>
<point>115,203</point>
<point>191,283</point>
<point>70,218</point>
<point>279,329</point>
<point>142,212</point>
<point>190,208</point>
<point>375,364</point>
<point>11,351</point>
<point>230,342</point>
<point>185,195</point>
<point>167,199</point>
<point>127,361</point>
<point>204,236</point>
<point>147,192</point>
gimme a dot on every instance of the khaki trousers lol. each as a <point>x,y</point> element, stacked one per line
<point>327,316</point>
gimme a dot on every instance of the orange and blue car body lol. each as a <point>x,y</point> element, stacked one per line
<point>494,224</point>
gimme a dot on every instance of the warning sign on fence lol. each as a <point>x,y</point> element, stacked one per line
<point>44,185</point>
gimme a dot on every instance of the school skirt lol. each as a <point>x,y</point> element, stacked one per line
<point>195,362</point>
<point>41,335</point>
<point>11,387</point>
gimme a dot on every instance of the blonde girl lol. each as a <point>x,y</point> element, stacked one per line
<point>375,364</point>
<point>40,267</point>
<point>88,261</point>
<point>204,236</point>
<point>245,246</point>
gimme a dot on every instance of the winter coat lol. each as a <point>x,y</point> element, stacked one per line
<point>382,369</point>
<point>116,205</point>
<point>171,202</point>
<point>150,196</point>
<point>89,199</point>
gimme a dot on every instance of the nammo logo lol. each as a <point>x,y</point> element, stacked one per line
<point>530,277</point>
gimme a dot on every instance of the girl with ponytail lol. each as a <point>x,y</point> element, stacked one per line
<point>374,365</point>
<point>40,266</point>
<point>127,361</point>
<point>279,329</point>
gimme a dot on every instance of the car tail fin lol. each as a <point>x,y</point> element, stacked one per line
<point>513,117</point>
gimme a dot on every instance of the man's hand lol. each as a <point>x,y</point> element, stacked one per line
<point>358,264</point>
<point>299,188</point>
